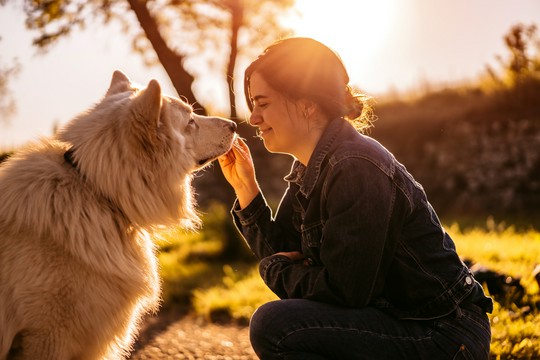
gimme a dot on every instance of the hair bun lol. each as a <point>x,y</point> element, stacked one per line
<point>358,110</point>
<point>354,104</point>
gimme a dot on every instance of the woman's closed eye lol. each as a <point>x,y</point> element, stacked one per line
<point>260,101</point>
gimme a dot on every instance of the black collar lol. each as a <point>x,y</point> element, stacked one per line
<point>68,156</point>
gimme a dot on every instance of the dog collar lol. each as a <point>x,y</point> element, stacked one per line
<point>68,157</point>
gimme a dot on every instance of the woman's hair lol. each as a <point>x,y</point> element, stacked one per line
<point>303,68</point>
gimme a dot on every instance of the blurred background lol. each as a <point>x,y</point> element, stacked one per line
<point>454,84</point>
<point>455,87</point>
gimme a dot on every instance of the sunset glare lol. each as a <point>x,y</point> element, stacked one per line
<point>355,29</point>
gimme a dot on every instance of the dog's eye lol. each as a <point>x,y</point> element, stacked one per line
<point>192,124</point>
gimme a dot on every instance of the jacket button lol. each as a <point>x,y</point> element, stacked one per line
<point>310,261</point>
<point>468,280</point>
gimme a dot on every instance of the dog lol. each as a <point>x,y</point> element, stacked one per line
<point>78,268</point>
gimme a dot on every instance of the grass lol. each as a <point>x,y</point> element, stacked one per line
<point>221,289</point>
<point>236,298</point>
<point>196,260</point>
<point>515,327</point>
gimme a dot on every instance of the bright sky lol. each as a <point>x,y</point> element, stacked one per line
<point>385,44</point>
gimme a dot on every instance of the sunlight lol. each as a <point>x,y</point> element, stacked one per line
<point>355,29</point>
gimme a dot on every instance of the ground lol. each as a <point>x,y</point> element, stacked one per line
<point>177,334</point>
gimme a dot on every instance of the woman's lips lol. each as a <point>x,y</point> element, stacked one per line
<point>263,132</point>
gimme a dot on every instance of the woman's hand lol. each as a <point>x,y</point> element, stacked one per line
<point>293,255</point>
<point>239,171</point>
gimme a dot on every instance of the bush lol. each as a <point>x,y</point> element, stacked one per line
<point>192,260</point>
<point>239,294</point>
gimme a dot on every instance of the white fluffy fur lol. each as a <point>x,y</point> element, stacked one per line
<point>77,268</point>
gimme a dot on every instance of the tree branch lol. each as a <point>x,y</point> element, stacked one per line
<point>171,61</point>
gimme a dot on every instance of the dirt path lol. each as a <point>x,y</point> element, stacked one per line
<point>179,335</point>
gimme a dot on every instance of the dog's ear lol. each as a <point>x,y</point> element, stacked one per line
<point>148,103</point>
<point>119,83</point>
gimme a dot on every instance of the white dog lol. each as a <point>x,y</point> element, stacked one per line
<point>77,268</point>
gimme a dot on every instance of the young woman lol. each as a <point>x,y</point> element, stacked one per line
<point>356,253</point>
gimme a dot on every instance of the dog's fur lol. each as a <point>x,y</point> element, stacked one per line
<point>77,268</point>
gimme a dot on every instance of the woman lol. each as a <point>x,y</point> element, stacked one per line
<point>355,251</point>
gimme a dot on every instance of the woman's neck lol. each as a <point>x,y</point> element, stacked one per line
<point>307,144</point>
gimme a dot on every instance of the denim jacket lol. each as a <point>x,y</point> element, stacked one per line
<point>368,233</point>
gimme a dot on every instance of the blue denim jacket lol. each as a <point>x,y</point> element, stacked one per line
<point>367,230</point>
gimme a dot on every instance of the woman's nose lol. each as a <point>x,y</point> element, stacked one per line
<point>254,119</point>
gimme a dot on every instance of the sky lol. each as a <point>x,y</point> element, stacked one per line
<point>386,45</point>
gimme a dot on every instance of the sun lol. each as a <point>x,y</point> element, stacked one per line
<point>355,29</point>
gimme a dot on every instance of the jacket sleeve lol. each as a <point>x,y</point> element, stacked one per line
<point>264,234</point>
<point>358,200</point>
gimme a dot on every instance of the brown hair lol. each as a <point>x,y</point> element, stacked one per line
<point>303,68</point>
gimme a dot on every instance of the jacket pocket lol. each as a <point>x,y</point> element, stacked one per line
<point>311,242</point>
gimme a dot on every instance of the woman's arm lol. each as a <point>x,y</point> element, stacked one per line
<point>252,215</point>
<point>265,234</point>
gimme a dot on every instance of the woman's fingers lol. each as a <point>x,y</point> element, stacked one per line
<point>227,159</point>
<point>237,164</point>
<point>240,148</point>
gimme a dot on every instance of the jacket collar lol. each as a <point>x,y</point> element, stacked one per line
<point>306,176</point>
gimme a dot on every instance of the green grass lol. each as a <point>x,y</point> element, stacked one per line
<point>184,265</point>
<point>239,294</point>
<point>196,273</point>
<point>196,260</point>
<point>515,328</point>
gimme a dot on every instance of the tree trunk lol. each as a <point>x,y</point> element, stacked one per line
<point>170,60</point>
<point>237,12</point>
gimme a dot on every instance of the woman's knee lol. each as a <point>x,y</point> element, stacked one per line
<point>270,324</point>
<point>260,330</point>
<point>264,319</point>
<point>276,315</point>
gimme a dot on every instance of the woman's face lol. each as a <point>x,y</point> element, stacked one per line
<point>278,120</point>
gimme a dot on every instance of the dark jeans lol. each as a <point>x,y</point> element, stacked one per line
<point>304,329</point>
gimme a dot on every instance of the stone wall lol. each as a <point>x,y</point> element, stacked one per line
<point>481,156</point>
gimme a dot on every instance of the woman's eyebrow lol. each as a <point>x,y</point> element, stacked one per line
<point>258,97</point>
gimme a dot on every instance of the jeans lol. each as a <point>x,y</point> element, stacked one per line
<point>304,329</point>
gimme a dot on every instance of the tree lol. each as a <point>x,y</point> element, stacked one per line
<point>170,31</point>
<point>7,103</point>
